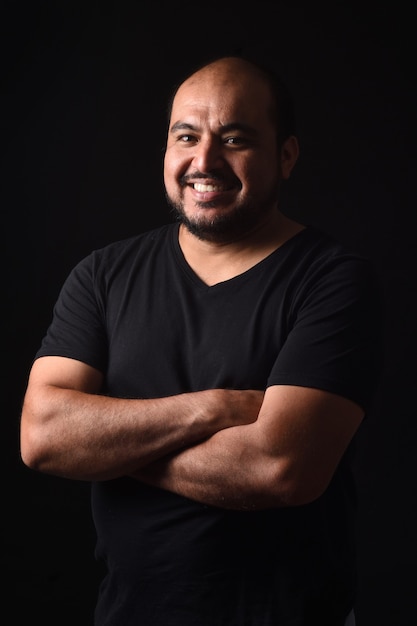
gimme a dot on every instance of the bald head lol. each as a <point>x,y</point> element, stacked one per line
<point>227,68</point>
<point>251,79</point>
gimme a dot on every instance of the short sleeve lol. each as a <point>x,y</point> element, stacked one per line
<point>335,342</point>
<point>77,329</point>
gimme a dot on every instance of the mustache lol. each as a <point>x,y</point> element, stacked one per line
<point>212,175</point>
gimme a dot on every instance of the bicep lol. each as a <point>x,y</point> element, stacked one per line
<point>65,373</point>
<point>306,432</point>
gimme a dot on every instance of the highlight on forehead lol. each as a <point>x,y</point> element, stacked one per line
<point>237,68</point>
<point>239,102</point>
<point>225,69</point>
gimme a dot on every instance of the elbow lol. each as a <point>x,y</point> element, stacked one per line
<point>33,442</point>
<point>288,487</point>
<point>31,449</point>
<point>299,495</point>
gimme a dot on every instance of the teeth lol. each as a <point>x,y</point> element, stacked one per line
<point>201,187</point>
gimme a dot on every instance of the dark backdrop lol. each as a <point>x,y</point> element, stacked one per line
<point>83,124</point>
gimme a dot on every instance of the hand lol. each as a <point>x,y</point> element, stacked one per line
<point>233,407</point>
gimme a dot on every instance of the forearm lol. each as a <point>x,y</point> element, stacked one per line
<point>287,457</point>
<point>230,470</point>
<point>92,437</point>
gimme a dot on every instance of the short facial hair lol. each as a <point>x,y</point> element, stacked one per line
<point>225,227</point>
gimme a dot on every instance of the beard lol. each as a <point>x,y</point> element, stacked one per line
<point>229,226</point>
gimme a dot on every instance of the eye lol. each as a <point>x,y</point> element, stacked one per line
<point>236,141</point>
<point>186,138</point>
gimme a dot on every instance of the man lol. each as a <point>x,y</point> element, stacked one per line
<point>209,376</point>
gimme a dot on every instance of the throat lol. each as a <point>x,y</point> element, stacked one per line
<point>216,263</point>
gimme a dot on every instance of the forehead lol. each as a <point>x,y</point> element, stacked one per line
<point>221,96</point>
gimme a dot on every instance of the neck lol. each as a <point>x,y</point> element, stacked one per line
<point>215,261</point>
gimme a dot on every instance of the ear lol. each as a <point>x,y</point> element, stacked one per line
<point>289,155</point>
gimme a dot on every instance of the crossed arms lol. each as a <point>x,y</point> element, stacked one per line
<point>238,449</point>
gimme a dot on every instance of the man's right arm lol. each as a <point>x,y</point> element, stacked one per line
<point>69,429</point>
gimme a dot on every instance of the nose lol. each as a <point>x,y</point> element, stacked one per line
<point>208,154</point>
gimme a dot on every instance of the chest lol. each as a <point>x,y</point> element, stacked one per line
<point>171,335</point>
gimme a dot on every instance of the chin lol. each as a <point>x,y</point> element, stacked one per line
<point>221,229</point>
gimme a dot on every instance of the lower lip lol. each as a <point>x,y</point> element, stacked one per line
<point>208,195</point>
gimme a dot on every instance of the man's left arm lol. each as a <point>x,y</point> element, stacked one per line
<point>287,457</point>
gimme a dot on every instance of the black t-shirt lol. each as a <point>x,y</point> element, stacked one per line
<point>309,315</point>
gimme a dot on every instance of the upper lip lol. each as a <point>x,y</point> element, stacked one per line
<point>206,186</point>
<point>207,183</point>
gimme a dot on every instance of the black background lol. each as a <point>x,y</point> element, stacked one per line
<point>84,90</point>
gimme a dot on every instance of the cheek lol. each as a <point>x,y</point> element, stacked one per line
<point>265,172</point>
<point>169,173</point>
<point>174,167</point>
<point>258,176</point>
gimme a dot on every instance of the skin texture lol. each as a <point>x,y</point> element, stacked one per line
<point>238,449</point>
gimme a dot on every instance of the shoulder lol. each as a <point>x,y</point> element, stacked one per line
<point>124,252</point>
<point>141,242</point>
<point>119,259</point>
<point>322,254</point>
<point>328,274</point>
<point>323,245</point>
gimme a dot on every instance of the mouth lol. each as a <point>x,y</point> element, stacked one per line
<point>201,188</point>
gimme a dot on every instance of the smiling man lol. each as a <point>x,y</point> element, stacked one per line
<point>209,377</point>
<point>223,163</point>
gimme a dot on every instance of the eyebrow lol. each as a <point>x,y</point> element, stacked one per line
<point>233,126</point>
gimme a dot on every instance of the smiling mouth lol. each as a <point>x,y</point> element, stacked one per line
<point>207,188</point>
